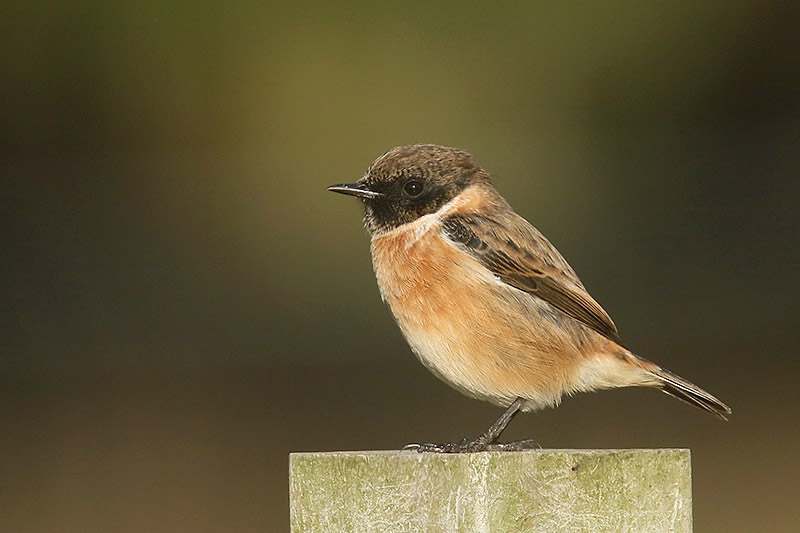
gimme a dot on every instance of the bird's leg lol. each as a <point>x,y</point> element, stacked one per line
<point>491,435</point>
<point>487,441</point>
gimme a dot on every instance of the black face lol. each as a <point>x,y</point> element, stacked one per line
<point>406,197</point>
<point>409,182</point>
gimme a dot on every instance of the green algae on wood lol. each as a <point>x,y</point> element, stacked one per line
<point>537,490</point>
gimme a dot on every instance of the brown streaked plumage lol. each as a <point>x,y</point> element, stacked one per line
<point>484,300</point>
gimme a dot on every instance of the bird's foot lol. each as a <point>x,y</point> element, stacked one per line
<point>471,446</point>
<point>464,446</point>
<point>516,446</point>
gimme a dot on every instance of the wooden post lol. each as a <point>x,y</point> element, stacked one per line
<point>537,490</point>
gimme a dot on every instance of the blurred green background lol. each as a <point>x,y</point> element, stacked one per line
<point>183,303</point>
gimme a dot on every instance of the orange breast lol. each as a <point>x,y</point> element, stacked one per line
<point>476,333</point>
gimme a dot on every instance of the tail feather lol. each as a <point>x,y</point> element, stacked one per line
<point>685,391</point>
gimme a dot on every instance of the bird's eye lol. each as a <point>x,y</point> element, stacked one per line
<point>413,187</point>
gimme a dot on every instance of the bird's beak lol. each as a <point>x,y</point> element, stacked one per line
<point>355,189</point>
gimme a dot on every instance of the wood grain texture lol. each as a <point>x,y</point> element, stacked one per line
<point>541,490</point>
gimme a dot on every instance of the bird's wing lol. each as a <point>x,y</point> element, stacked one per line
<point>523,258</point>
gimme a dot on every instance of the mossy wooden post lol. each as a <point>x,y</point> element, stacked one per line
<point>538,490</point>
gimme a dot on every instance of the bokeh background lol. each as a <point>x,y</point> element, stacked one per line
<point>183,304</point>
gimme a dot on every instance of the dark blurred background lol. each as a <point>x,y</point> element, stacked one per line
<point>183,304</point>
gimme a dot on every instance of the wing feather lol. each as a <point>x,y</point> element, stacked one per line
<point>523,258</point>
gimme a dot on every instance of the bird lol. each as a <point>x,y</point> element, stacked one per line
<point>484,300</point>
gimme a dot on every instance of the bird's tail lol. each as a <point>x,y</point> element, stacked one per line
<point>681,389</point>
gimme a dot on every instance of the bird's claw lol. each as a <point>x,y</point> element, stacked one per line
<point>472,446</point>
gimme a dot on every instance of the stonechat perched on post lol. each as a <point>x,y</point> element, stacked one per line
<point>483,298</point>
